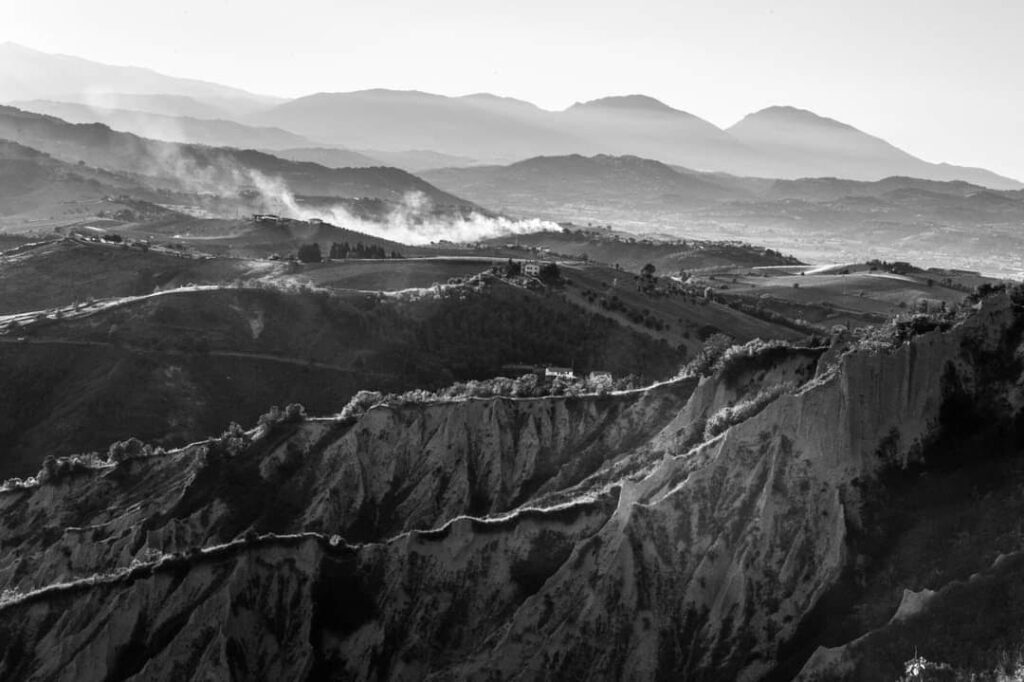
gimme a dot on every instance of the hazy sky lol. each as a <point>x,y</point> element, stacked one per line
<point>940,78</point>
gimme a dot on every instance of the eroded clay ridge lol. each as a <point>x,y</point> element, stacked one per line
<point>602,537</point>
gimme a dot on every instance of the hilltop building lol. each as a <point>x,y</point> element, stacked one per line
<point>559,373</point>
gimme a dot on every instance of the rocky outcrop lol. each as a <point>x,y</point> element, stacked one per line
<point>583,538</point>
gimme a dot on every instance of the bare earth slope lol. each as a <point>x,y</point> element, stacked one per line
<point>590,537</point>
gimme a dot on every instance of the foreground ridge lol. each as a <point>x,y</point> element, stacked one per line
<point>691,530</point>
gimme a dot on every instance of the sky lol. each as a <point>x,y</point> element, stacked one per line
<point>940,78</point>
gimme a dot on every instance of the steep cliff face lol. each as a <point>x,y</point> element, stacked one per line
<point>395,469</point>
<point>596,538</point>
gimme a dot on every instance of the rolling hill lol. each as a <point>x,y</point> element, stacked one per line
<point>795,142</point>
<point>402,120</point>
<point>178,365</point>
<point>31,74</point>
<point>602,179</point>
<point>34,185</point>
<point>216,170</point>
<point>187,129</point>
<point>411,160</point>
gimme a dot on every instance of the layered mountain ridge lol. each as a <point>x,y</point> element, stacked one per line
<point>779,141</point>
<point>686,530</point>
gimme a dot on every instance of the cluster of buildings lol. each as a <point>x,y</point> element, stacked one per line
<point>552,372</point>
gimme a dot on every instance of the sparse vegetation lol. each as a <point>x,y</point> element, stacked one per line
<point>729,416</point>
<point>276,417</point>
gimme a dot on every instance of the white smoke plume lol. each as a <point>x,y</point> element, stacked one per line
<point>217,174</point>
<point>411,222</point>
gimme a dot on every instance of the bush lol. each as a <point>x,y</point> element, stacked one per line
<point>232,442</point>
<point>359,404</point>
<point>275,416</point>
<point>120,451</point>
<point>56,469</point>
<point>750,357</point>
<point>704,362</point>
<point>728,416</point>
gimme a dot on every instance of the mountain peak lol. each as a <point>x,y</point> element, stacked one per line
<point>793,116</point>
<point>633,102</point>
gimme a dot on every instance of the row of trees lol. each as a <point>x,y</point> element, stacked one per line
<point>341,250</point>
<point>311,253</point>
<point>526,386</point>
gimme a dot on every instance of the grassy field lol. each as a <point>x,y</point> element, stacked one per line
<point>392,274</point>
<point>827,297</point>
<point>65,271</point>
<point>689,319</point>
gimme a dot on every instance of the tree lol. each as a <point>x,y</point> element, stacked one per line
<point>647,270</point>
<point>339,251</point>
<point>549,273</point>
<point>50,469</point>
<point>310,253</point>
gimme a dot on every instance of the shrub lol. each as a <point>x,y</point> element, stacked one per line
<point>728,416</point>
<point>275,416</point>
<point>56,469</point>
<point>750,357</point>
<point>17,483</point>
<point>232,442</point>
<point>120,451</point>
<point>359,404</point>
<point>704,362</point>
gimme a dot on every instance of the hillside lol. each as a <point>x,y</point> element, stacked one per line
<point>412,160</point>
<point>553,182</point>
<point>798,143</point>
<point>180,364</point>
<point>643,126</point>
<point>577,537</point>
<point>943,223</point>
<point>157,126</point>
<point>331,158</point>
<point>400,120</point>
<point>31,74</point>
<point>631,253</point>
<point>199,169</point>
<point>63,272</point>
<point>31,181</point>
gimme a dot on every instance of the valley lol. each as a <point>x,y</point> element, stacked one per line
<point>386,384</point>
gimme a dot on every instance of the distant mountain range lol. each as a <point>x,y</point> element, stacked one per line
<point>202,169</point>
<point>645,184</point>
<point>778,142</point>
<point>188,129</point>
<point>30,74</point>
